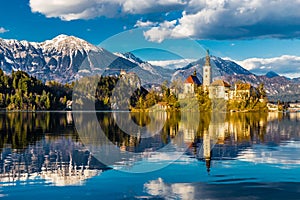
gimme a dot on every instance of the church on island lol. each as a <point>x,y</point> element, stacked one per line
<point>217,89</point>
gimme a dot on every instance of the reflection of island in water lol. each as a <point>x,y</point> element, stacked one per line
<point>46,145</point>
<point>228,134</point>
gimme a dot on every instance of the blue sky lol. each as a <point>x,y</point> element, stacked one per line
<point>261,35</point>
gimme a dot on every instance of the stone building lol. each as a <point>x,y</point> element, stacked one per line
<point>242,90</point>
<point>219,89</point>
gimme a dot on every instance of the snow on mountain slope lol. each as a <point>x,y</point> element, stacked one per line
<point>58,59</point>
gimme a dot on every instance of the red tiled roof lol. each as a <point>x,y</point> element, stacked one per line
<point>193,80</point>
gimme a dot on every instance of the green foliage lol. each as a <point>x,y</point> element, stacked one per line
<point>261,91</point>
<point>151,99</point>
<point>23,92</point>
<point>111,92</point>
<point>204,101</point>
<point>256,101</point>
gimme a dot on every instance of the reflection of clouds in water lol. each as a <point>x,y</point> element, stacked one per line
<point>69,176</point>
<point>177,157</point>
<point>62,176</point>
<point>153,159</point>
<point>286,153</point>
<point>59,161</point>
<point>170,191</point>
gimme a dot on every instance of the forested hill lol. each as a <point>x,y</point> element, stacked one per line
<point>20,91</point>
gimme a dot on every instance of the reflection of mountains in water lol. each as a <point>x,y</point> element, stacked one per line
<point>61,161</point>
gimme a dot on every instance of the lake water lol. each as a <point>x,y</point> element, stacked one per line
<point>65,155</point>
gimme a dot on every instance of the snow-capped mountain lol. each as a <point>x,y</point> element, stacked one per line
<point>64,58</point>
<point>20,55</point>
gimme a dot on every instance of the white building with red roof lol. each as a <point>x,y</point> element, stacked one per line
<point>191,83</point>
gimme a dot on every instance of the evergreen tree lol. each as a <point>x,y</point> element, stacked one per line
<point>261,91</point>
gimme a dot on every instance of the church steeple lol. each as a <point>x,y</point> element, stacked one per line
<point>207,71</point>
<point>207,59</point>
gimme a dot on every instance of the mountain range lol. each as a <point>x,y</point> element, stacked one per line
<point>67,58</point>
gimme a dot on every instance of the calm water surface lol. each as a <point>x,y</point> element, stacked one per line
<point>206,156</point>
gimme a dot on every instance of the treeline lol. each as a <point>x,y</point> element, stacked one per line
<point>20,91</point>
<point>107,92</point>
<point>165,97</point>
<point>121,93</point>
<point>168,99</point>
<point>256,100</point>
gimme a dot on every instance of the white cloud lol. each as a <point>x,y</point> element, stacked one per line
<point>75,9</point>
<point>158,34</point>
<point>286,65</point>
<point>147,23</point>
<point>83,9</point>
<point>201,19</point>
<point>3,30</point>
<point>286,154</point>
<point>173,64</point>
<point>232,19</point>
<point>151,6</point>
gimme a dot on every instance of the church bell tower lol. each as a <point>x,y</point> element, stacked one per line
<point>207,71</point>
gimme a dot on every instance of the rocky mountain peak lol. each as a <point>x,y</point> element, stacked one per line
<point>271,74</point>
<point>131,57</point>
<point>68,44</point>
